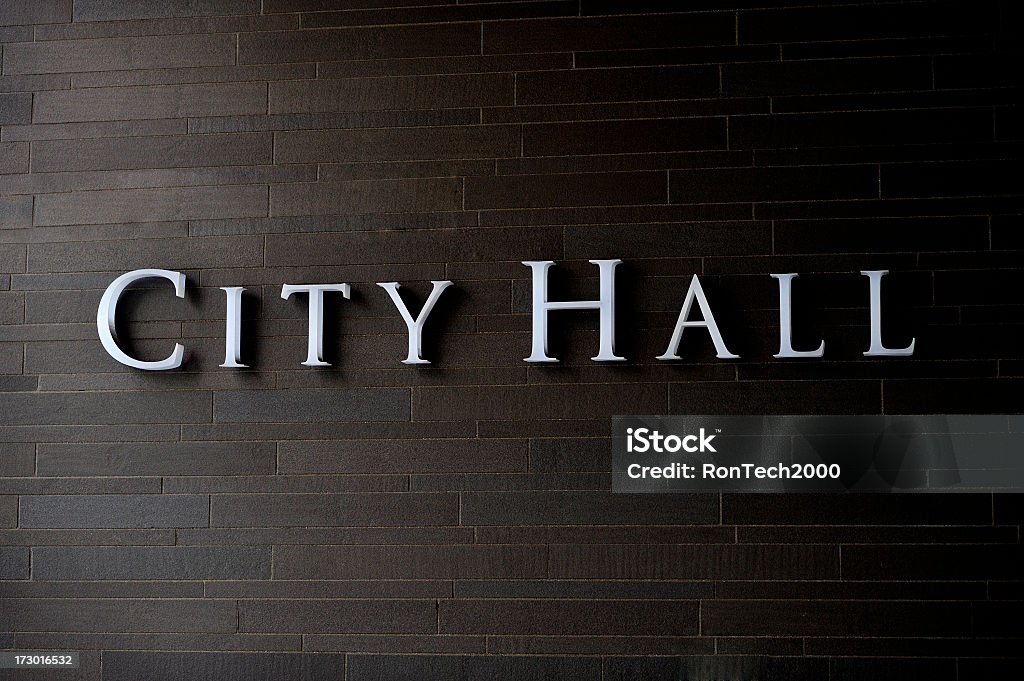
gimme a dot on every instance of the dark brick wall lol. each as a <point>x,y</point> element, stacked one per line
<point>379,521</point>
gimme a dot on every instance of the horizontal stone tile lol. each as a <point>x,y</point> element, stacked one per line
<point>193,74</point>
<point>17,459</point>
<point>142,205</point>
<point>161,642</point>
<point>338,616</point>
<point>151,562</point>
<point>859,509</point>
<point>528,402</point>
<point>14,563</point>
<point>70,485</point>
<point>601,85</point>
<point>420,456</point>
<point>312,406</point>
<point>142,253</point>
<point>601,645</point>
<point>808,618</point>
<point>286,484</point>
<point>106,589</point>
<point>620,137</point>
<point>559,617</point>
<point>109,10</point>
<point>382,94</point>
<point>693,562</point>
<point>721,666</point>
<point>932,562</point>
<point>539,191</point>
<point>397,144</point>
<point>80,537</point>
<point>323,430</point>
<point>125,614</point>
<point>183,458</point>
<point>505,668</point>
<point>166,151</point>
<point>42,12</point>
<point>158,101</point>
<point>773,184</point>
<point>359,43</point>
<point>78,131</point>
<point>114,511</point>
<point>103,409</point>
<point>123,53</point>
<point>13,159</point>
<point>409,562</point>
<point>374,14</point>
<point>327,535</point>
<point>606,534</point>
<point>330,589</point>
<point>327,510</point>
<point>12,256</point>
<point>609,33</point>
<point>230,666</point>
<point>149,432</point>
<point>583,589</point>
<point>80,30</point>
<point>15,108</point>
<point>394,643</point>
<point>370,196</point>
<point>597,508</point>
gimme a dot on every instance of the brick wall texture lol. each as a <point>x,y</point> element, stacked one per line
<point>373,520</point>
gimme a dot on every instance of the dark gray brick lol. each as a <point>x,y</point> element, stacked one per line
<point>17,459</point>
<point>807,618</point>
<point>313,406</point>
<point>609,33</point>
<point>111,10</point>
<point>124,614</point>
<point>397,144</point>
<point>383,196</point>
<point>340,616</point>
<point>381,94</point>
<point>150,562</point>
<point>15,108</point>
<point>104,104</point>
<point>420,456</point>
<point>182,458</point>
<point>327,510</point>
<point>389,643</point>
<point>559,617</point>
<point>330,589</point>
<point>100,55</point>
<point>145,205</point>
<point>79,537</point>
<point>261,666</point>
<point>409,562</point>
<point>541,191</point>
<point>115,511</point>
<point>715,666</point>
<point>16,211</point>
<point>169,151</point>
<point>42,12</point>
<point>161,642</point>
<point>693,562</point>
<point>528,402</point>
<point>142,253</point>
<point>426,245</point>
<point>598,508</point>
<point>359,43</point>
<point>40,409</point>
<point>14,563</point>
<point>465,668</point>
